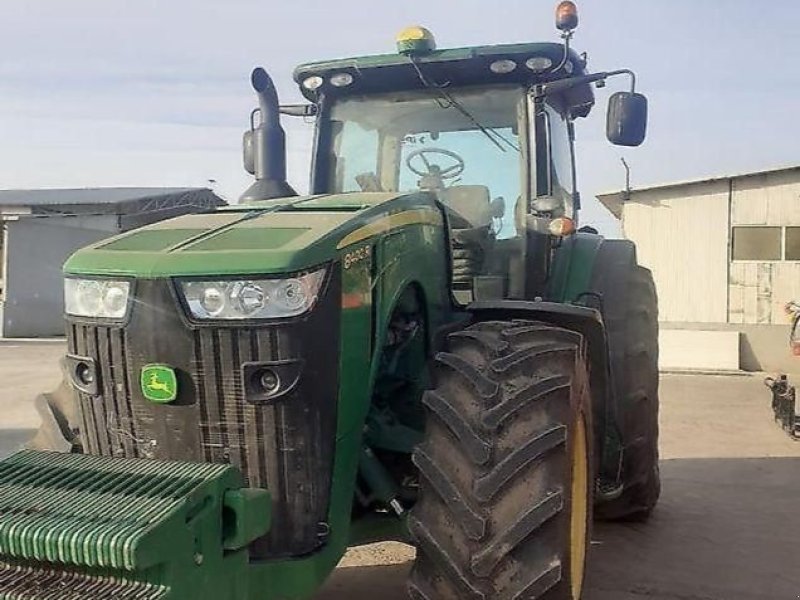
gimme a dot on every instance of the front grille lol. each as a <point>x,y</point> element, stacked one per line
<point>286,446</point>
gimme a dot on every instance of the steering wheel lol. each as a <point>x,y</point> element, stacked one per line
<point>451,172</point>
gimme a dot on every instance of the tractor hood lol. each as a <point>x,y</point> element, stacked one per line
<point>276,236</point>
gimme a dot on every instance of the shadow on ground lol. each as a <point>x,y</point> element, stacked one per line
<point>12,440</point>
<point>725,529</point>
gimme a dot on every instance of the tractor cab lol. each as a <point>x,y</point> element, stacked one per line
<point>487,130</point>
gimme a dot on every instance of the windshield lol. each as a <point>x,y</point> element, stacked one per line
<point>464,146</point>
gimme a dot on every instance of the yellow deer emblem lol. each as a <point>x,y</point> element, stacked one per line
<point>156,385</point>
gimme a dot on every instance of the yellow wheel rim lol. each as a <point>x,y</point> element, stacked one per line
<point>580,509</point>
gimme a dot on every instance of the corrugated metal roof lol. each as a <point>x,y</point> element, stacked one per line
<point>86,196</point>
<point>705,180</point>
<point>613,200</point>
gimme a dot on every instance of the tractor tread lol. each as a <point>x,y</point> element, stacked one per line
<point>442,558</point>
<point>485,387</point>
<point>540,583</point>
<point>472,522</point>
<point>494,417</point>
<point>487,559</point>
<point>492,518</point>
<point>503,364</point>
<point>475,446</point>
<point>483,339</point>
<point>487,486</point>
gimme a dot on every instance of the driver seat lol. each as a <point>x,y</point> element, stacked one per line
<point>470,225</point>
<point>471,202</point>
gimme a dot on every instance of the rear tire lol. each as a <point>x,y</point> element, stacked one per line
<point>634,359</point>
<point>506,479</point>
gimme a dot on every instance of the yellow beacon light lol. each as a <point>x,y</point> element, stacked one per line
<point>415,40</point>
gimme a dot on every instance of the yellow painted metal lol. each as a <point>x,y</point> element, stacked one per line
<point>381,225</point>
<point>579,517</point>
<point>415,40</point>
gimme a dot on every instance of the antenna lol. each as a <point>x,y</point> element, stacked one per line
<point>626,195</point>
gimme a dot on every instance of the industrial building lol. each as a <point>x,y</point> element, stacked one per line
<point>725,254</point>
<point>39,229</point>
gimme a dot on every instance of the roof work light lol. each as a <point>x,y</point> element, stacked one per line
<point>415,40</point>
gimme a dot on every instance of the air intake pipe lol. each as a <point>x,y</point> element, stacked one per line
<point>264,146</point>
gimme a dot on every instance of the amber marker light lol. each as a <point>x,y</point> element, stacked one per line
<point>562,227</point>
<point>566,16</point>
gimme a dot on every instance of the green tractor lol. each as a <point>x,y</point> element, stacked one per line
<point>424,349</point>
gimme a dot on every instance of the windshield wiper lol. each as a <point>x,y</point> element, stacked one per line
<point>440,89</point>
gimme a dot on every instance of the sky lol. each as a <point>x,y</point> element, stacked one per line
<point>156,93</point>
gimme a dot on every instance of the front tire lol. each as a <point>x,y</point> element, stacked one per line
<point>506,479</point>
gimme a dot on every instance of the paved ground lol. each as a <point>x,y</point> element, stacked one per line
<point>25,370</point>
<point>726,527</point>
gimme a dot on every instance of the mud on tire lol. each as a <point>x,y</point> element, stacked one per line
<point>494,516</point>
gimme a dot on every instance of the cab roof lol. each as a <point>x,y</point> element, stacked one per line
<point>458,67</point>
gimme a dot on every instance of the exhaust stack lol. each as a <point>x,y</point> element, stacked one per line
<point>264,146</point>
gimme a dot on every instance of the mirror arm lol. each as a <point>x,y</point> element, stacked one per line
<point>299,110</point>
<point>561,85</point>
<point>627,72</point>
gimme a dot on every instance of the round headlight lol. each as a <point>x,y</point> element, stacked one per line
<point>538,64</point>
<point>291,294</point>
<point>313,83</point>
<point>341,79</point>
<point>115,300</point>
<point>90,297</point>
<point>502,66</point>
<point>249,298</point>
<point>213,300</point>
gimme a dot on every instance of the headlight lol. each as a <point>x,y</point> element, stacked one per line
<point>252,298</point>
<point>100,298</point>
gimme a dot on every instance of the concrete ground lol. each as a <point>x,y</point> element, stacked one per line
<point>725,529</point>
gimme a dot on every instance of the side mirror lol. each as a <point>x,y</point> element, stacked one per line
<point>626,121</point>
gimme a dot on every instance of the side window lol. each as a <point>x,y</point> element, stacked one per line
<point>554,175</point>
<point>561,155</point>
<point>360,147</point>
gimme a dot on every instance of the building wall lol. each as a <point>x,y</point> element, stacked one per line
<point>759,290</point>
<point>684,234</point>
<point>36,248</point>
<point>681,234</point>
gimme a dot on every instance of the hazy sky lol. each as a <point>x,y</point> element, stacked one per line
<point>145,92</point>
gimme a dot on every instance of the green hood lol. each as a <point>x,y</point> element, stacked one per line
<point>277,236</point>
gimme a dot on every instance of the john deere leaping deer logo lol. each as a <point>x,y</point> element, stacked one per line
<point>159,383</point>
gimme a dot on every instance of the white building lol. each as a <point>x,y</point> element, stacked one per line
<point>725,254</point>
<point>39,229</point>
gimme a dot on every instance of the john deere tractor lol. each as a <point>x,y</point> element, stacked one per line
<point>426,348</point>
